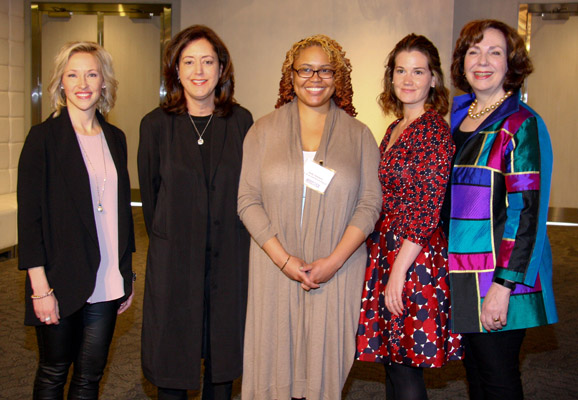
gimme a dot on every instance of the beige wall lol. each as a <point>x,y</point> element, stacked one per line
<point>555,71</point>
<point>11,91</point>
<point>258,33</point>
<point>503,10</point>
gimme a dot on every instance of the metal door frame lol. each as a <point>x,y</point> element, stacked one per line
<point>66,10</point>
<point>552,11</point>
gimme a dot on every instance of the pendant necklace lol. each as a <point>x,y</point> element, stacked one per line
<point>99,192</point>
<point>200,135</point>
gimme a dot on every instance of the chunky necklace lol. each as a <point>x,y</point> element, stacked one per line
<point>99,193</point>
<point>486,110</point>
<point>200,135</point>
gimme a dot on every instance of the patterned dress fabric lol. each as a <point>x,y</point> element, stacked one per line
<point>413,175</point>
<point>500,189</point>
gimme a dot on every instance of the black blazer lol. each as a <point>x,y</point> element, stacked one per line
<point>56,227</point>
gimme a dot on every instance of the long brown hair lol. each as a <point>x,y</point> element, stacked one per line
<point>175,101</point>
<point>437,98</point>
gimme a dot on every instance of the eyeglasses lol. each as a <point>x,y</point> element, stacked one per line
<point>323,73</point>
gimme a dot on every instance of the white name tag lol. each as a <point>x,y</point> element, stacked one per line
<point>317,177</point>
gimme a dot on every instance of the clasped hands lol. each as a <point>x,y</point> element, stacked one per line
<point>310,275</point>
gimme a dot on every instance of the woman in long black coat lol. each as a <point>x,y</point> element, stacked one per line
<point>189,163</point>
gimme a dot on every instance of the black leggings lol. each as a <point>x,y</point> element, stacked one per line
<point>82,338</point>
<point>403,382</point>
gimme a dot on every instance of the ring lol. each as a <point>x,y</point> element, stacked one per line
<point>496,319</point>
<point>47,319</point>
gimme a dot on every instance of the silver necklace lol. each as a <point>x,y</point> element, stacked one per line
<point>99,192</point>
<point>200,135</point>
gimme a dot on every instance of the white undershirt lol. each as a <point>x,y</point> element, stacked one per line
<point>307,156</point>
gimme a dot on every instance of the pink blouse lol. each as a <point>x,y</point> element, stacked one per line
<point>104,190</point>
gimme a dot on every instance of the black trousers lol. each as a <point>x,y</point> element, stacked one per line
<point>82,339</point>
<point>492,364</point>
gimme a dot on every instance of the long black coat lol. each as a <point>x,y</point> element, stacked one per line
<point>176,206</point>
<point>56,227</point>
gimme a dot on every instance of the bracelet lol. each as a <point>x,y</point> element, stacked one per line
<point>505,283</point>
<point>36,297</point>
<point>286,261</point>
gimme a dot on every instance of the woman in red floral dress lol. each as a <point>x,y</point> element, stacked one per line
<point>406,304</point>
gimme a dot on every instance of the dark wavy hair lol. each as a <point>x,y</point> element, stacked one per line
<point>437,98</point>
<point>343,96</point>
<point>519,63</point>
<point>175,101</point>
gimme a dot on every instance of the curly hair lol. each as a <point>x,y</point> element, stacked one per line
<point>437,98</point>
<point>104,60</point>
<point>175,101</point>
<point>343,96</point>
<point>519,63</point>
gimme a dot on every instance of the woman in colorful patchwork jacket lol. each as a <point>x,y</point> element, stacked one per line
<point>500,260</point>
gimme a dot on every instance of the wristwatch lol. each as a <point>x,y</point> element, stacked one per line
<point>505,283</point>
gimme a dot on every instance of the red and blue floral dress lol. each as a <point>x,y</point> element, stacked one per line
<point>413,174</point>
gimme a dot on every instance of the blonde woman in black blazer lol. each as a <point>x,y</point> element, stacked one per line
<point>75,225</point>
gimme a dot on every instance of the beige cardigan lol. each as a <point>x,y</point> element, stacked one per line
<point>297,343</point>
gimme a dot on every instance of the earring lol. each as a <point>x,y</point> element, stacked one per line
<point>104,86</point>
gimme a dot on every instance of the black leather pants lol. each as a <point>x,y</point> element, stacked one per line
<point>82,339</point>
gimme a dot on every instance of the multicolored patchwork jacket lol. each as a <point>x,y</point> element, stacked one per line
<point>500,188</point>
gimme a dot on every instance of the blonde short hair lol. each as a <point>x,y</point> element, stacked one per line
<point>104,60</point>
